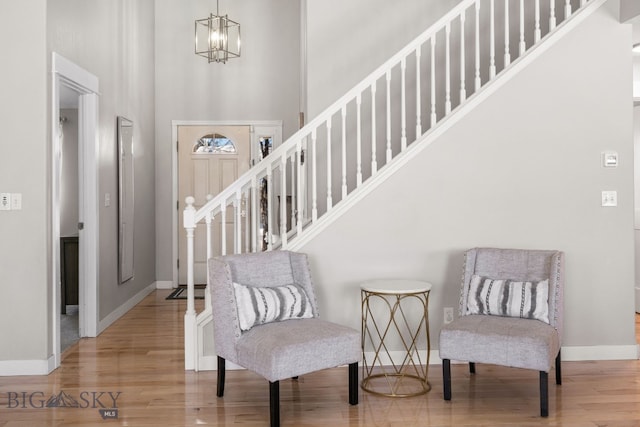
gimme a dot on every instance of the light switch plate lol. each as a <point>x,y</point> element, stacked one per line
<point>610,159</point>
<point>5,201</point>
<point>16,201</point>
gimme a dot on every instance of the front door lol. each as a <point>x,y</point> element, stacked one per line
<point>210,158</point>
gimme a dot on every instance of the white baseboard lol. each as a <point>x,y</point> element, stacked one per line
<point>122,310</point>
<point>600,352</point>
<point>24,367</point>
<point>164,284</point>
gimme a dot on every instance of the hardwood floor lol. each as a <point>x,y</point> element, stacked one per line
<point>138,363</point>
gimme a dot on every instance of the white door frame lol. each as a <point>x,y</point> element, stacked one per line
<point>174,166</point>
<point>66,73</point>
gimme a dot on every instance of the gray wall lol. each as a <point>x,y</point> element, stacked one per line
<point>24,160</point>
<point>263,84</point>
<point>347,40</point>
<point>629,9</point>
<point>115,41</point>
<point>521,170</point>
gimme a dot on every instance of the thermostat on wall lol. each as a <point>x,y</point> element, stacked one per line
<point>610,159</point>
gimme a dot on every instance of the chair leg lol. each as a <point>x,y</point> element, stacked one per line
<point>558,369</point>
<point>544,394</point>
<point>274,403</point>
<point>472,367</point>
<point>446,378</point>
<point>221,369</point>
<point>353,383</point>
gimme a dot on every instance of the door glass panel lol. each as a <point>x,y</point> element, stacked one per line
<point>214,144</point>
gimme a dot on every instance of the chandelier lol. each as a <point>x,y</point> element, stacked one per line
<point>217,37</point>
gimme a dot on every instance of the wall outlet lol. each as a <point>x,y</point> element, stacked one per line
<point>448,315</point>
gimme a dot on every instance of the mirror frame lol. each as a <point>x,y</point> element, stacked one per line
<point>125,199</point>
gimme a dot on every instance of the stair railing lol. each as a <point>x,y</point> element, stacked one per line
<point>300,182</point>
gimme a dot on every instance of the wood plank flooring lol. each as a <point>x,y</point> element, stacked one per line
<point>138,362</point>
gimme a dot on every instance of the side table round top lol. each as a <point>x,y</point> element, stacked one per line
<point>396,286</point>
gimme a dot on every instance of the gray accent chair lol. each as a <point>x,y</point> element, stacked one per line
<point>508,341</point>
<point>279,350</point>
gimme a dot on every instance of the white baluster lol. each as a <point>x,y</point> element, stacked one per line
<point>223,228</point>
<point>344,152</point>
<point>314,178</point>
<point>418,93</point>
<point>552,14</point>
<point>245,218</point>
<point>237,226</point>
<point>536,32</point>
<point>507,55</point>
<point>447,72</point>
<point>403,107</point>
<point>190,326</point>
<point>492,40</point>
<point>463,90</point>
<point>247,230</point>
<point>374,161</point>
<point>269,207</point>
<point>434,116</point>
<point>583,2</point>
<point>283,201</point>
<point>254,214</point>
<point>329,194</point>
<point>299,209</point>
<point>209,217</point>
<point>567,9</point>
<point>294,193</point>
<point>478,81</point>
<point>522,45</point>
<point>188,219</point>
<point>389,153</point>
<point>358,140</point>
<point>208,220</point>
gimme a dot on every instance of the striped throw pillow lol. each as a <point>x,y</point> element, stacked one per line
<point>260,305</point>
<point>510,298</point>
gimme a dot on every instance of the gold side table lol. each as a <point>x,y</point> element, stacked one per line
<point>395,313</point>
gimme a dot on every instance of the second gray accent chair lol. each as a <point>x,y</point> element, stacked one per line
<point>508,341</point>
<point>281,349</point>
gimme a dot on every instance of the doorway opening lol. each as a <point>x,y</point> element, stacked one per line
<point>74,93</point>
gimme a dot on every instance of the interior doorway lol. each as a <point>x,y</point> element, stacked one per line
<point>74,87</point>
<point>69,218</point>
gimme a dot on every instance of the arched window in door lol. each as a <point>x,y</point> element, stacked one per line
<point>214,144</point>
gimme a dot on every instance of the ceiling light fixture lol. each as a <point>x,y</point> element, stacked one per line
<point>217,37</point>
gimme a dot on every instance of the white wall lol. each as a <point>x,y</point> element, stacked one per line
<point>346,40</point>
<point>263,84</point>
<point>522,170</point>
<point>24,160</point>
<point>114,40</point>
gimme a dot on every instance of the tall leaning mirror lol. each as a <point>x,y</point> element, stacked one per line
<point>125,199</point>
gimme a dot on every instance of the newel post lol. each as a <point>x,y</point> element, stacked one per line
<point>190,344</point>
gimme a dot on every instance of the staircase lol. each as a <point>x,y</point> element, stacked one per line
<point>370,132</point>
